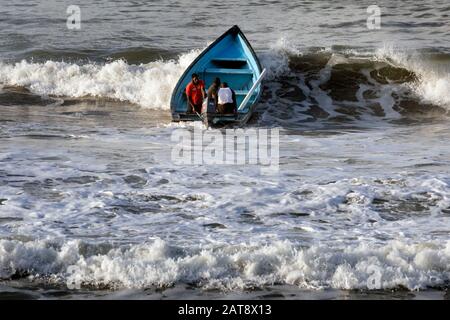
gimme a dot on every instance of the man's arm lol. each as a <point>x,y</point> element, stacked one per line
<point>203,90</point>
<point>204,93</point>
<point>188,96</point>
<point>191,106</point>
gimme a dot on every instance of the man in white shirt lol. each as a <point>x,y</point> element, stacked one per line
<point>226,100</point>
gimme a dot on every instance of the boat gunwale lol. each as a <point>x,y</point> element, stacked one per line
<point>233,29</point>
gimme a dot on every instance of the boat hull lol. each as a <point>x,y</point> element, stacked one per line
<point>231,59</point>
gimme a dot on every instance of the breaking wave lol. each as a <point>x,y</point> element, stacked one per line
<point>149,85</point>
<point>77,264</point>
<point>316,83</point>
<point>433,81</point>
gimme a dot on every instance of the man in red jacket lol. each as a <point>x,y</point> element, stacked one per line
<point>195,93</point>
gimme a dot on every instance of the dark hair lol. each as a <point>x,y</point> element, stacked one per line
<point>217,81</point>
<point>194,75</point>
<point>224,85</point>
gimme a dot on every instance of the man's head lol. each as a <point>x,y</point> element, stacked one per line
<point>195,78</point>
<point>224,85</point>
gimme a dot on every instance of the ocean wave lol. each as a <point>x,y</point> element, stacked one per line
<point>148,85</point>
<point>433,75</point>
<point>319,83</point>
<point>364,266</point>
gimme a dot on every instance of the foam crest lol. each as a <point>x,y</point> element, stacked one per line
<point>433,76</point>
<point>149,85</point>
<point>393,265</point>
<point>276,59</point>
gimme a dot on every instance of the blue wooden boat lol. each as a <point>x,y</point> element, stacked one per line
<point>232,59</point>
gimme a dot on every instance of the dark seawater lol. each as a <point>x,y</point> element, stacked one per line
<point>92,206</point>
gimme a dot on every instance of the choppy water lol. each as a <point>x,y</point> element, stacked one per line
<point>89,195</point>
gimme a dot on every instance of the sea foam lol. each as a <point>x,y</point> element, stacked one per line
<point>148,85</point>
<point>363,266</point>
<point>433,84</point>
